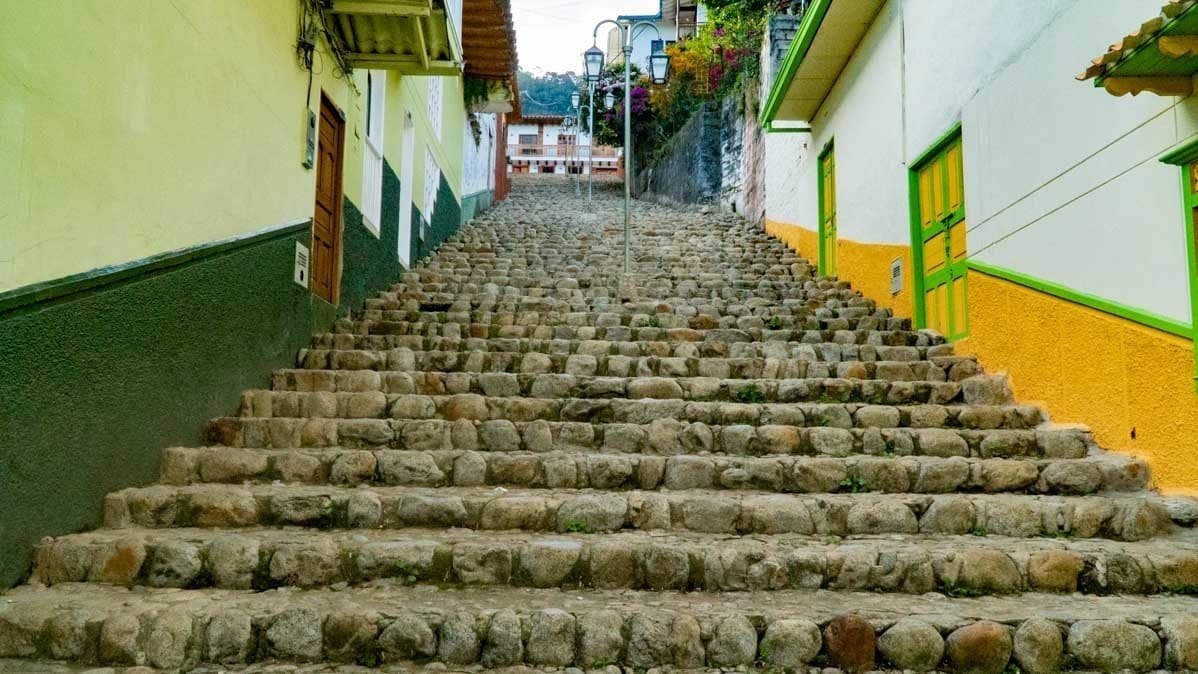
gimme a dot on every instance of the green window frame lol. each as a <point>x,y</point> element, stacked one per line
<point>1185,157</point>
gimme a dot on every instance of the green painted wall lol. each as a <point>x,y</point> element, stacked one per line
<point>447,219</point>
<point>473,204</point>
<point>371,263</point>
<point>93,385</point>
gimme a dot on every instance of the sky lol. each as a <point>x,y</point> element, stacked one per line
<point>552,34</point>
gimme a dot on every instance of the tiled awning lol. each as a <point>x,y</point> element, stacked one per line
<point>1161,57</point>
<point>413,37</point>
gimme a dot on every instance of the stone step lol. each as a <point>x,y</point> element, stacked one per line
<point>663,436</point>
<point>389,622</point>
<point>558,469</point>
<point>831,352</point>
<point>631,429</point>
<point>504,281</point>
<point>1117,516</point>
<point>776,382</point>
<point>696,317</point>
<point>956,566</point>
<point>843,380</point>
<point>506,403</point>
<point>573,325</point>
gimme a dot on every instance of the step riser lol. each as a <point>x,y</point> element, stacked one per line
<point>241,562</point>
<point>892,332</point>
<point>829,352</point>
<point>661,438</point>
<point>606,298</point>
<point>299,406</point>
<point>798,475</point>
<point>766,385</point>
<point>395,508</point>
<point>866,376</point>
<point>636,638</point>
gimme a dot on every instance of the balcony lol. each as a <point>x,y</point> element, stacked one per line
<point>563,152</point>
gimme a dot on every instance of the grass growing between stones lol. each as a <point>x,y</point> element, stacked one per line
<point>749,394</point>
<point>854,485</point>
<point>575,526</point>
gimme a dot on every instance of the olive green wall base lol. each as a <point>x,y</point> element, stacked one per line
<point>94,383</point>
<point>370,263</point>
<point>473,204</point>
<point>447,219</point>
<point>100,372</point>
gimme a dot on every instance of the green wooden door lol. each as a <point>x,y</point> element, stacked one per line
<point>827,212</point>
<point>941,229</point>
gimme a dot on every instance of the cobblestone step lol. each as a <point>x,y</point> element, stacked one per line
<point>557,469</point>
<point>1119,517</point>
<point>662,436</point>
<point>577,369</point>
<point>831,352</point>
<point>506,402</point>
<point>487,324</point>
<point>389,622</point>
<point>674,379</point>
<point>955,566</point>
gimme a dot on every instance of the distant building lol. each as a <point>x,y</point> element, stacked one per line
<point>544,144</point>
<point>676,19</point>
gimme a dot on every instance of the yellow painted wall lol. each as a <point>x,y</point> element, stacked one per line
<point>865,265</point>
<point>129,128</point>
<point>1093,368</point>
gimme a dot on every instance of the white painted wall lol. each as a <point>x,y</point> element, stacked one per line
<point>862,117</point>
<point>478,159</point>
<point>1061,179</point>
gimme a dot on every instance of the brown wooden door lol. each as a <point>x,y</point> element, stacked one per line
<point>326,222</point>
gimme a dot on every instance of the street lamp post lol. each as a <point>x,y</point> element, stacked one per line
<point>590,158</point>
<point>659,64</point>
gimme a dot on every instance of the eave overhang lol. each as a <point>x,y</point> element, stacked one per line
<point>489,48</point>
<point>1160,57</point>
<point>412,37</point>
<point>828,34</point>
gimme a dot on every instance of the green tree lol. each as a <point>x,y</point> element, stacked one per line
<point>547,94</point>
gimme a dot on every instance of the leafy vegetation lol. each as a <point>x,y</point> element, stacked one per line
<point>749,394</point>
<point>720,62</point>
<point>577,526</point>
<point>546,94</point>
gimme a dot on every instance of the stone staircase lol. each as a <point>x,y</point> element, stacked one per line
<point>519,457</point>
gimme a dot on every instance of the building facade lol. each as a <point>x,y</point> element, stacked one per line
<point>554,144</point>
<point>937,156</point>
<point>675,20</point>
<point>185,206</point>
